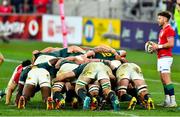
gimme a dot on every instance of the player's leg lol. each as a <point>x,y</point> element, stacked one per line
<point>109,94</point>
<point>123,75</point>
<point>88,74</point>
<point>58,97</point>
<point>104,81</point>
<point>45,84</point>
<point>164,67</point>
<point>93,90</point>
<point>81,91</point>
<point>144,95</point>
<point>138,79</point>
<point>122,86</point>
<point>71,95</point>
<point>29,88</point>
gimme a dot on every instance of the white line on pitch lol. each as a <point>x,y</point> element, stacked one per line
<point>176,83</point>
<point>12,61</point>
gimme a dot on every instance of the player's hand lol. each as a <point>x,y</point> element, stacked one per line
<point>155,46</point>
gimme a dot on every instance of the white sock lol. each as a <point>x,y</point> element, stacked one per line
<point>167,99</point>
<point>173,99</point>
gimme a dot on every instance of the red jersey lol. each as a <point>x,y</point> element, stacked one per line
<point>5,9</point>
<point>17,74</point>
<point>163,38</point>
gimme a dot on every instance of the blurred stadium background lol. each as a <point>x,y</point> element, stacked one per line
<point>122,24</point>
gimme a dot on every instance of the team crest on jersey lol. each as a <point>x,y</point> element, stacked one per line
<point>29,78</point>
<point>121,75</point>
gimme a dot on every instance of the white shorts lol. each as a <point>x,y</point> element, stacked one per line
<point>67,67</point>
<point>38,76</point>
<point>164,64</point>
<point>95,70</point>
<point>129,71</point>
<point>43,58</point>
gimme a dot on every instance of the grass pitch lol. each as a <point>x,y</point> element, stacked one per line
<point>17,51</point>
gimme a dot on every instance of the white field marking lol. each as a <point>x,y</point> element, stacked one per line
<point>157,93</point>
<point>175,83</point>
<point>12,61</point>
<point>125,114</point>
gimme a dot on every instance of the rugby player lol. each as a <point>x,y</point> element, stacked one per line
<point>38,75</point>
<point>131,72</point>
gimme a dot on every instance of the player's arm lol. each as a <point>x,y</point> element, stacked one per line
<point>74,49</point>
<point>80,59</point>
<point>10,89</point>
<point>12,85</point>
<point>89,53</point>
<point>19,92</point>
<point>64,77</point>
<point>169,44</point>
<point>105,48</point>
<point>46,50</point>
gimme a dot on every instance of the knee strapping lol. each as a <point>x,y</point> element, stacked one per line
<point>142,88</point>
<point>94,88</point>
<point>58,86</point>
<point>81,83</point>
<point>122,88</point>
<point>106,85</point>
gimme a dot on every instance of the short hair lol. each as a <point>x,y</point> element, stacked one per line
<point>165,14</point>
<point>26,63</point>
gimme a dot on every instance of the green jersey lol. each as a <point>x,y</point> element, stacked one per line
<point>66,61</point>
<point>24,74</point>
<point>105,56</point>
<point>59,53</point>
<point>51,69</point>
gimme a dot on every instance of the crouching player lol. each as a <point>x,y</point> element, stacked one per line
<point>13,82</point>
<point>60,87</point>
<point>127,72</point>
<point>91,72</point>
<point>39,75</point>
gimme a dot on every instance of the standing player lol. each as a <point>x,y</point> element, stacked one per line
<point>165,59</point>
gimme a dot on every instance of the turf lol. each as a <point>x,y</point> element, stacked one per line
<point>21,50</point>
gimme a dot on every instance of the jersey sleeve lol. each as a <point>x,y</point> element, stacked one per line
<point>170,33</point>
<point>23,76</point>
<point>17,75</point>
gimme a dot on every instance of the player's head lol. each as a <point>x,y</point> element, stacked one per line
<point>163,17</point>
<point>122,53</point>
<point>26,63</point>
